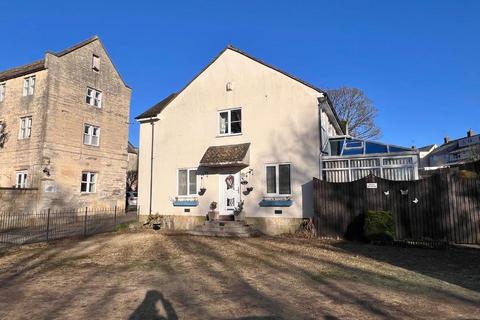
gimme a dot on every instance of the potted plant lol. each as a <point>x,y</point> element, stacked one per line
<point>238,213</point>
<point>201,192</point>
<point>213,214</point>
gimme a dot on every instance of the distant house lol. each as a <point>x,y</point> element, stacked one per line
<point>66,123</point>
<point>454,152</point>
<point>424,152</point>
<point>241,130</point>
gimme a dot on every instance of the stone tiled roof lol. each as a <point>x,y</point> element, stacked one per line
<point>156,109</point>
<point>23,70</point>
<point>234,154</point>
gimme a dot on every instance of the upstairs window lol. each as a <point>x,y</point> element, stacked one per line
<point>25,127</point>
<point>91,135</point>
<point>278,179</point>
<point>230,122</point>
<point>94,98</point>
<point>187,182</point>
<point>96,63</point>
<point>21,179</point>
<point>2,91</point>
<point>89,182</point>
<point>29,86</point>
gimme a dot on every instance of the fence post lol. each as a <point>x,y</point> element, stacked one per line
<point>48,222</point>
<point>85,223</point>
<point>115,219</point>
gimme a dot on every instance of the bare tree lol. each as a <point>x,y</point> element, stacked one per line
<point>132,179</point>
<point>3,134</point>
<point>355,107</point>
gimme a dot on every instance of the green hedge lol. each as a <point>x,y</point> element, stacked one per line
<point>379,225</point>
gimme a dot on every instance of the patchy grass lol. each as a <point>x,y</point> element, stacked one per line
<point>148,275</point>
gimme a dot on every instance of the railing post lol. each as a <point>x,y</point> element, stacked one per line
<point>48,222</point>
<point>115,219</point>
<point>85,223</point>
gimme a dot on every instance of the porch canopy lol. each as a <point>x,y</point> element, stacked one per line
<point>226,156</point>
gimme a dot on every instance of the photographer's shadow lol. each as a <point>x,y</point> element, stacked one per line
<point>148,310</point>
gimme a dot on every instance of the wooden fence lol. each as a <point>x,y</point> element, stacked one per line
<point>30,227</point>
<point>444,206</point>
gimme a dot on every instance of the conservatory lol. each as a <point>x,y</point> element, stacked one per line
<point>348,159</point>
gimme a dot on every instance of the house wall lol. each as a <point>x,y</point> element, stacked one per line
<point>23,154</point>
<point>59,112</point>
<point>280,120</point>
<point>65,154</point>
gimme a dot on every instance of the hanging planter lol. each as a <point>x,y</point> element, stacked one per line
<point>244,182</point>
<point>202,191</point>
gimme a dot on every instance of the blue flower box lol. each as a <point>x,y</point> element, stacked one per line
<point>275,203</point>
<point>185,203</point>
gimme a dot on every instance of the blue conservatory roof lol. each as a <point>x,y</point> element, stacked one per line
<point>347,146</point>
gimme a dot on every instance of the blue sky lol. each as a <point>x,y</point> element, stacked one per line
<point>417,60</point>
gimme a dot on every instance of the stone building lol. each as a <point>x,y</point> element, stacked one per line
<point>64,122</point>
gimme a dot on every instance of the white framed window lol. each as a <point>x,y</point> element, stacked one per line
<point>28,86</point>
<point>278,179</point>
<point>21,179</point>
<point>89,182</point>
<point>230,122</point>
<point>94,98</point>
<point>187,182</point>
<point>3,88</point>
<point>25,127</point>
<point>91,135</point>
<point>96,63</point>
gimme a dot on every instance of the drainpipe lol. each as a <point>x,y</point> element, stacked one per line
<point>153,120</point>
<point>321,100</point>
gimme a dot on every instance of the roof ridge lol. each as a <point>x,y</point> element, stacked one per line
<point>74,47</point>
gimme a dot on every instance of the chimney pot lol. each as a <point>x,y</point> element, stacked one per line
<point>446,139</point>
<point>470,133</point>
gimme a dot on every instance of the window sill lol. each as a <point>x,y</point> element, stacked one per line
<point>228,135</point>
<point>276,203</point>
<point>185,203</point>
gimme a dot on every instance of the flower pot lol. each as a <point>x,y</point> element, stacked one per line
<point>212,215</point>
<point>240,216</point>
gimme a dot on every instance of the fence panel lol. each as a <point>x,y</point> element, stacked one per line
<point>21,228</point>
<point>441,207</point>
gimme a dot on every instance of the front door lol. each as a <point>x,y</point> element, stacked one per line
<point>229,192</point>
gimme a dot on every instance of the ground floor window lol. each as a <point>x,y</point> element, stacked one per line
<point>21,179</point>
<point>89,182</point>
<point>187,182</point>
<point>278,179</point>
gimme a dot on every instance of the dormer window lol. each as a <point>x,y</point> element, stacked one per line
<point>96,63</point>
<point>28,86</point>
<point>230,122</point>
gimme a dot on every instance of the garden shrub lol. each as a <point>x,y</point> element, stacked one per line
<point>379,226</point>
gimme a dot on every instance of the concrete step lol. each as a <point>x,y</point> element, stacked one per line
<point>225,229</point>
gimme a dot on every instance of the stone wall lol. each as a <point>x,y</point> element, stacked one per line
<point>18,200</point>
<point>55,155</point>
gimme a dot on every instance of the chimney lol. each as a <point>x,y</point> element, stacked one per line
<point>446,139</point>
<point>470,133</point>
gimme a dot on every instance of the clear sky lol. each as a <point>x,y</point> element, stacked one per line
<point>419,61</point>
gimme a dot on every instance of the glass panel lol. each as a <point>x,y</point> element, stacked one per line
<point>371,147</point>
<point>182,182</point>
<point>284,178</point>
<point>86,139</point>
<point>95,140</point>
<point>348,152</point>
<point>353,144</point>
<point>192,182</point>
<point>223,122</point>
<point>83,187</point>
<point>93,177</point>
<point>336,147</point>
<point>86,129</point>
<point>271,180</point>
<point>236,115</point>
<point>398,149</point>
<point>84,177</point>
<point>236,127</point>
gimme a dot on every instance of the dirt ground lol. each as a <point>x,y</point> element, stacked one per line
<point>148,275</point>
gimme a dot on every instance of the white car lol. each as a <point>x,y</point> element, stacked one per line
<point>132,198</point>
